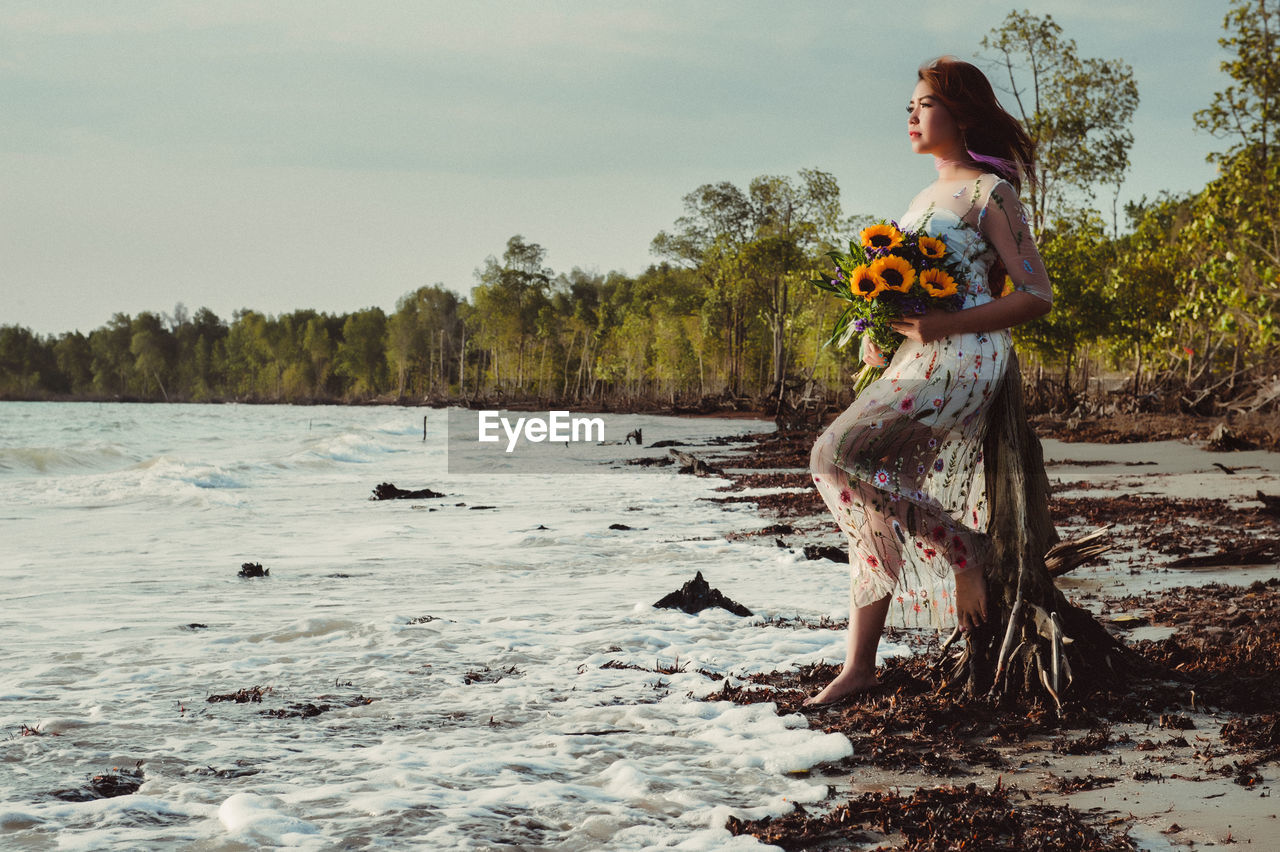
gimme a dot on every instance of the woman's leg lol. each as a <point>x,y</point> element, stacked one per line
<point>875,557</point>
<point>866,623</point>
<point>877,527</point>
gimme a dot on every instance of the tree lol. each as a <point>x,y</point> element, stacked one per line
<point>1143,290</point>
<point>153,348</point>
<point>1034,642</point>
<point>422,337</point>
<point>508,297</point>
<point>1079,259</point>
<point>26,362</point>
<point>750,249</point>
<point>1077,111</point>
<point>113,364</point>
<point>75,361</point>
<point>1238,214</point>
<point>361,355</point>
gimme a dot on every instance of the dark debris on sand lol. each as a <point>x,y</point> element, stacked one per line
<point>309,710</point>
<point>1227,647</point>
<point>108,785</point>
<point>253,694</point>
<point>941,819</point>
<point>696,595</point>
<point>388,491</point>
<point>1224,654</point>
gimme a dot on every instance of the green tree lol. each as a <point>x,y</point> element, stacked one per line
<point>1238,214</point>
<point>113,364</point>
<point>361,355</point>
<point>753,249</point>
<point>27,363</point>
<point>1076,110</point>
<point>1079,258</point>
<point>423,336</point>
<point>75,362</point>
<point>508,297</point>
<point>317,343</point>
<point>154,349</point>
<point>202,355</point>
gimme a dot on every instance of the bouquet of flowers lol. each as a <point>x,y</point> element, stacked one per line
<point>888,273</point>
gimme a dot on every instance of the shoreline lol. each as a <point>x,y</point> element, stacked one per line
<point>1158,766</point>
<point>1248,430</point>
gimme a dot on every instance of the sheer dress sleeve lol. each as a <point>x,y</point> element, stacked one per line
<point>1003,222</point>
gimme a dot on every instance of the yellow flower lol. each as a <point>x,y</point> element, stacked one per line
<point>895,273</point>
<point>937,283</point>
<point>1008,287</point>
<point>881,237</point>
<point>862,282</point>
<point>932,248</point>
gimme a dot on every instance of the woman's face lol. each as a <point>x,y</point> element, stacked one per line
<point>930,125</point>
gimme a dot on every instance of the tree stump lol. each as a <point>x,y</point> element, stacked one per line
<point>1034,643</point>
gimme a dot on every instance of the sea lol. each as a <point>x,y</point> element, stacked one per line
<point>479,670</point>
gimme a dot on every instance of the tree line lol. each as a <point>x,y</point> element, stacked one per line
<point>1184,293</point>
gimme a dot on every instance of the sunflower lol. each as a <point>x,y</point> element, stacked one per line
<point>937,283</point>
<point>881,237</point>
<point>894,273</point>
<point>932,248</point>
<point>862,282</point>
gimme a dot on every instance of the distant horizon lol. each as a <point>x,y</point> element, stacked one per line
<point>291,158</point>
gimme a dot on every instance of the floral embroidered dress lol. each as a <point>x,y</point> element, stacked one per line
<point>901,469</point>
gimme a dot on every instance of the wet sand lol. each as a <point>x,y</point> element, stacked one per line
<point>1183,760</point>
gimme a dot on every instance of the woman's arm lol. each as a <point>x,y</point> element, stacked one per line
<point>1003,223</point>
<point>1014,309</point>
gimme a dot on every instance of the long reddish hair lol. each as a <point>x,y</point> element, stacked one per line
<point>992,136</point>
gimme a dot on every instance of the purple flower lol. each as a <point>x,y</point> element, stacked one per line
<point>861,325</point>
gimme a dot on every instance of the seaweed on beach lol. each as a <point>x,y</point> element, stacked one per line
<point>1226,652</point>
<point>939,818</point>
<point>253,694</point>
<point>107,785</point>
<point>488,675</point>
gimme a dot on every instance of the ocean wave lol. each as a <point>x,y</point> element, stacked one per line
<point>90,456</point>
<point>163,478</point>
<point>347,448</point>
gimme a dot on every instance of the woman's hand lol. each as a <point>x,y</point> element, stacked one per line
<point>932,325</point>
<point>872,355</point>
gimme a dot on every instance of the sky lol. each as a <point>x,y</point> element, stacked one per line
<point>338,155</point>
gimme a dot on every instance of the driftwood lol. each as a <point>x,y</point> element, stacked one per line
<point>1270,503</point>
<point>692,464</point>
<point>1250,554</point>
<point>1265,396</point>
<point>1068,555</point>
<point>1223,439</point>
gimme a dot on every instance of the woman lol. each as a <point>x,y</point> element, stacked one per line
<point>901,470</point>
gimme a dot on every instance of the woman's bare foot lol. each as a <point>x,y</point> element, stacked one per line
<point>971,598</point>
<point>844,685</point>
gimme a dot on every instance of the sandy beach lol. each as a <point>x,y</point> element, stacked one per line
<point>1183,761</point>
